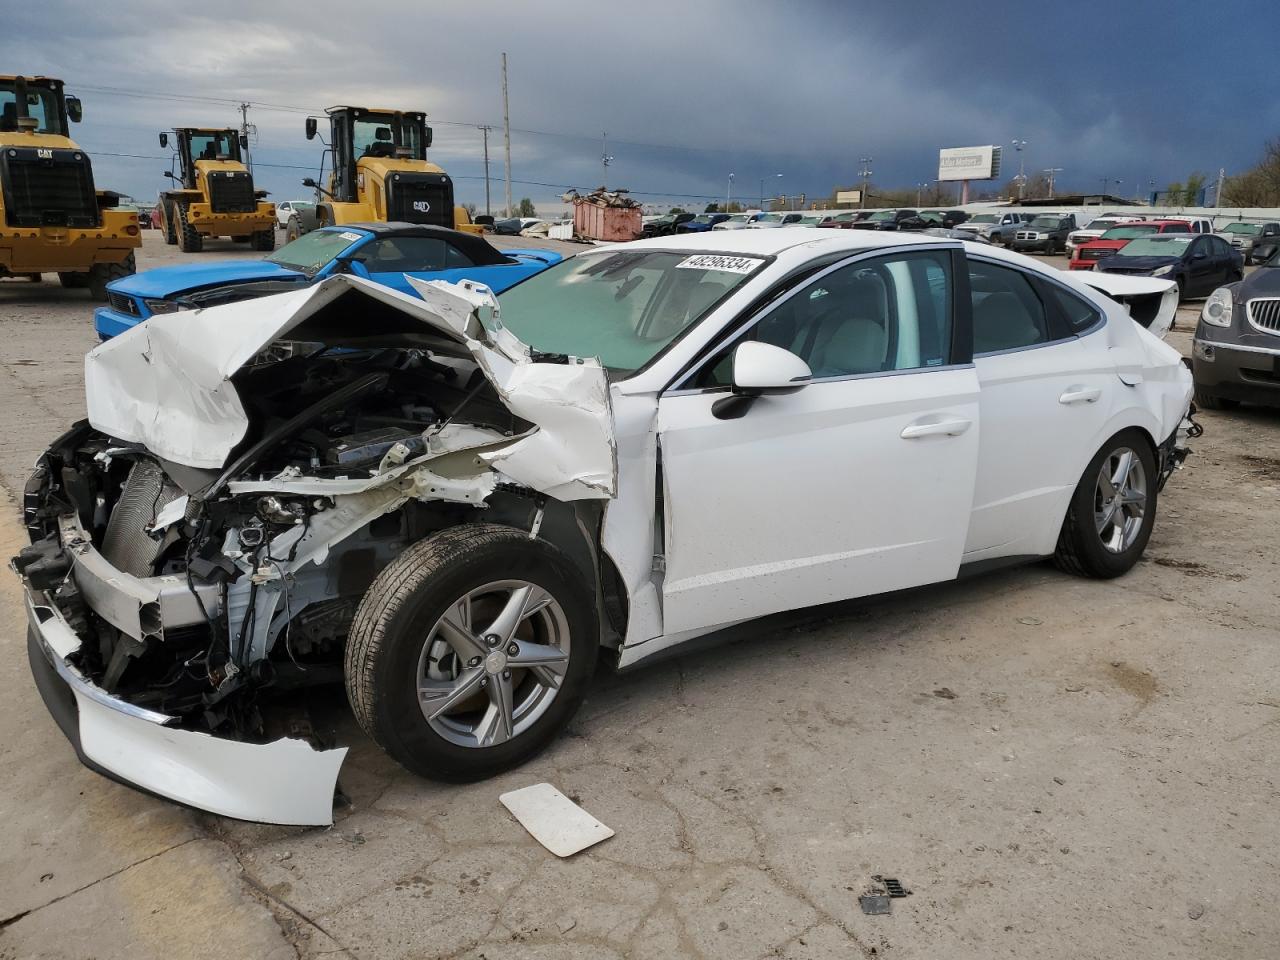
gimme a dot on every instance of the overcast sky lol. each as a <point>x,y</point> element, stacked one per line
<point>688,91</point>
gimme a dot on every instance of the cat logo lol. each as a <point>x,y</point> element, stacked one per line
<point>421,206</point>
<point>43,154</point>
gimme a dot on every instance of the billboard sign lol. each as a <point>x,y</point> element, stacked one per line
<point>848,196</point>
<point>969,163</point>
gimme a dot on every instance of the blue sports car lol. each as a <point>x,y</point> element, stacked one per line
<point>381,252</point>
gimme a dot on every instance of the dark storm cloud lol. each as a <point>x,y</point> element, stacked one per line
<point>688,92</point>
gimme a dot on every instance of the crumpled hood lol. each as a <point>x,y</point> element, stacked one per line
<point>167,281</point>
<point>167,383</point>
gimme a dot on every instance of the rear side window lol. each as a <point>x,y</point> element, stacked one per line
<point>1007,312</point>
<point>1076,312</point>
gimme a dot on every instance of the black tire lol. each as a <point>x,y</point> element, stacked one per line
<point>1207,401</point>
<point>189,240</point>
<point>1182,289</point>
<point>100,274</point>
<point>74,281</point>
<point>392,624</point>
<point>170,225</point>
<point>264,239</point>
<point>1080,548</point>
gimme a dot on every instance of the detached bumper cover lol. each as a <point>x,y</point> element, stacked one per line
<point>285,782</point>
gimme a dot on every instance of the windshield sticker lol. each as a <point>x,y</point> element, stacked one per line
<point>350,236</point>
<point>712,261</point>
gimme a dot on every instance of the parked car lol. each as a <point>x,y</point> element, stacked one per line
<point>665,225</point>
<point>460,517</point>
<point>1090,252</point>
<point>883,220</point>
<point>1048,233</point>
<point>286,207</point>
<point>1096,228</point>
<point>1235,356</point>
<point>811,220</point>
<point>1265,247</point>
<point>702,223</point>
<point>1197,263</point>
<point>508,226</point>
<point>771,221</point>
<point>144,216</point>
<point>844,220</point>
<point>995,227</point>
<point>1243,236</point>
<point>947,219</point>
<point>382,252</point>
<point>736,221</point>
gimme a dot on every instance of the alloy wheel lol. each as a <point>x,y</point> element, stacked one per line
<point>493,663</point>
<point>1120,499</point>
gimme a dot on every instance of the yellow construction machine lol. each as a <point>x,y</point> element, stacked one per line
<point>214,195</point>
<point>52,219</point>
<point>380,171</point>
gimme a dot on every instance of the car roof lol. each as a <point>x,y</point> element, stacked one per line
<point>767,243</point>
<point>477,248</point>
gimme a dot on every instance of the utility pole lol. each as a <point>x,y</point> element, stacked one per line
<point>1217,193</point>
<point>605,160</point>
<point>487,211</point>
<point>1051,172</point>
<point>506,129</point>
<point>1022,173</point>
<point>728,196</point>
<point>245,129</point>
<point>865,174</point>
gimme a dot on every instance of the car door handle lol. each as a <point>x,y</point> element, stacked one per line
<point>1080,395</point>
<point>935,428</point>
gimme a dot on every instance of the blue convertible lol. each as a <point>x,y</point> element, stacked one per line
<point>382,252</point>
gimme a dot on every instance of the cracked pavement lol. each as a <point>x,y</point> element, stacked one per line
<point>1056,768</point>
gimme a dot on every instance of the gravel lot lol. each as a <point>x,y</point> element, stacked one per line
<point>1056,768</point>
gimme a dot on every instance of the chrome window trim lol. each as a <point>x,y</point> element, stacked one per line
<point>679,388</point>
<point>875,375</point>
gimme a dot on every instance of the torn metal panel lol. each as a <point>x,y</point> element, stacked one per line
<point>1151,302</point>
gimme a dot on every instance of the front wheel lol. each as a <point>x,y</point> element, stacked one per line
<point>471,651</point>
<point>263,239</point>
<point>1112,511</point>
<point>292,230</point>
<point>100,274</point>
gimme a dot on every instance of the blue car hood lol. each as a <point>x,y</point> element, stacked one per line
<point>1136,263</point>
<point>168,281</point>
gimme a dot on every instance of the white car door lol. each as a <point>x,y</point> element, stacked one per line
<point>859,483</point>
<point>1046,392</point>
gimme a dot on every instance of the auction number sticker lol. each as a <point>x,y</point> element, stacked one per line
<point>349,236</point>
<point>715,261</point>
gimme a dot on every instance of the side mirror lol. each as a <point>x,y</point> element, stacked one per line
<point>311,128</point>
<point>164,140</point>
<point>351,267</point>
<point>426,138</point>
<point>244,142</point>
<point>760,369</point>
<point>75,112</point>
<point>171,175</point>
<point>309,182</point>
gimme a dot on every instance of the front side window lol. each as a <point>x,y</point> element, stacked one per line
<point>1007,312</point>
<point>874,316</point>
<point>42,106</point>
<point>624,307</point>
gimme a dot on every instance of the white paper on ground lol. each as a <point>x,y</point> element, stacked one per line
<point>555,821</point>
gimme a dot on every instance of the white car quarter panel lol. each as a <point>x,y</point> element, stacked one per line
<point>815,496</point>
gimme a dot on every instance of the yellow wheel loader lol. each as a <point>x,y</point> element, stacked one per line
<point>214,195</point>
<point>52,219</point>
<point>380,172</point>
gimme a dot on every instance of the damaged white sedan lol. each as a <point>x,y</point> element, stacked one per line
<point>456,505</point>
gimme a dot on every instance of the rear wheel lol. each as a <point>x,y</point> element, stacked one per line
<point>471,651</point>
<point>189,240</point>
<point>74,281</point>
<point>1112,511</point>
<point>170,225</point>
<point>264,239</point>
<point>100,274</point>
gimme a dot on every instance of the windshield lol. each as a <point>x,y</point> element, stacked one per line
<point>311,251</point>
<point>883,215</point>
<point>738,218</point>
<point>769,218</point>
<point>807,220</point>
<point>985,218</point>
<point>215,145</point>
<point>1155,247</point>
<point>702,218</point>
<point>1101,224</point>
<point>1127,233</point>
<point>42,106</point>
<point>1248,229</point>
<point>623,307</point>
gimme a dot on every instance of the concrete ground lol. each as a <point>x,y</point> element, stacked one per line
<point>1056,767</point>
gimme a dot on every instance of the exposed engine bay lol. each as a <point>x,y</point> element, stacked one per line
<point>194,590</point>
